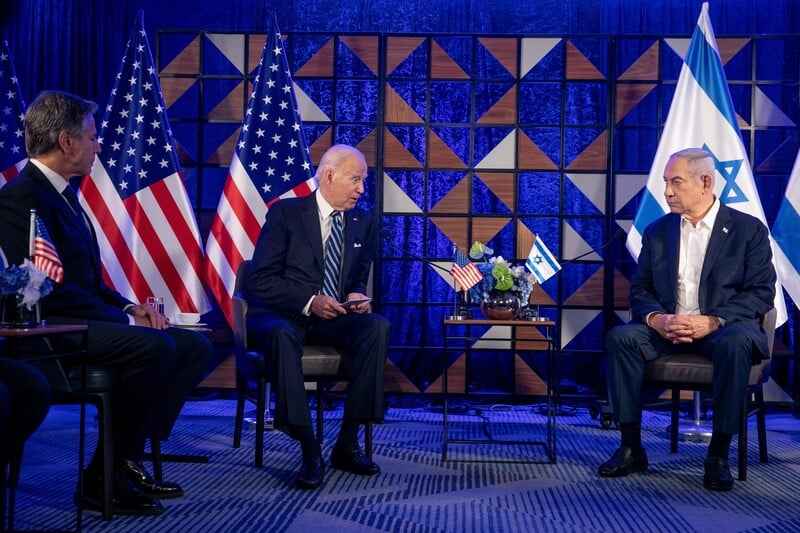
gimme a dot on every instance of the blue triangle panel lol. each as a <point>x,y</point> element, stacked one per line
<point>487,94</point>
<point>450,101</point>
<point>456,138</point>
<point>438,246</point>
<point>440,183</point>
<point>629,50</point>
<point>414,138</point>
<point>487,66</point>
<point>576,140</point>
<point>413,93</point>
<point>411,182</point>
<point>742,98</point>
<point>314,131</point>
<point>301,47</point>
<point>504,244</point>
<point>576,203</point>
<point>320,92</point>
<point>214,134</point>
<point>592,231</point>
<point>550,67</point>
<point>186,105</point>
<point>548,229</point>
<point>357,101</point>
<point>459,49</point>
<point>739,67</point>
<point>486,140</point>
<point>540,103</point>
<point>539,193</point>
<point>349,65</point>
<point>215,90</point>
<point>215,63</point>
<point>594,49</point>
<point>485,202</point>
<point>170,45</point>
<point>415,65</point>
<point>590,338</point>
<point>185,133</point>
<point>405,236</point>
<point>548,140</point>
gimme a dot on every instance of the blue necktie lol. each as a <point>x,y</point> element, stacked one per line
<point>333,258</point>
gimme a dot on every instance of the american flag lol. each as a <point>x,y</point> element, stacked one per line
<point>271,161</point>
<point>135,195</point>
<point>464,271</point>
<point>45,256</point>
<point>12,108</point>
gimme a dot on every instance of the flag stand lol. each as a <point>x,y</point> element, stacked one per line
<point>461,310</point>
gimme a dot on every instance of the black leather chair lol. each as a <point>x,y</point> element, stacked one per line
<point>691,371</point>
<point>321,365</point>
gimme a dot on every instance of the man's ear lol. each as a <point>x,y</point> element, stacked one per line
<point>65,141</point>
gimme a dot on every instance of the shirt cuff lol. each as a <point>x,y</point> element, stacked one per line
<point>307,309</point>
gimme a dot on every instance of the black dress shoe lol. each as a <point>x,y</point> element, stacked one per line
<point>623,462</point>
<point>143,481</point>
<point>311,474</point>
<point>352,459</point>
<point>126,500</point>
<point>717,474</point>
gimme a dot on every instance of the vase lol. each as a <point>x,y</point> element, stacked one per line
<point>14,314</point>
<point>501,305</point>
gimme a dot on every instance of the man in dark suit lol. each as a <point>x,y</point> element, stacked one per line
<point>157,366</point>
<point>291,302</point>
<point>704,281</point>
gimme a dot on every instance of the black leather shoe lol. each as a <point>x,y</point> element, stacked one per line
<point>127,499</point>
<point>623,462</point>
<point>143,481</point>
<point>717,474</point>
<point>352,459</point>
<point>311,474</point>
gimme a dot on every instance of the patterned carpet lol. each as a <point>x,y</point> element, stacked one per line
<point>416,491</point>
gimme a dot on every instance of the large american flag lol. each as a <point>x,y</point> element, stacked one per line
<point>135,195</point>
<point>271,161</point>
<point>12,108</point>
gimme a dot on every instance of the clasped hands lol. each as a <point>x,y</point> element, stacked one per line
<point>326,307</point>
<point>144,315</point>
<point>683,328</point>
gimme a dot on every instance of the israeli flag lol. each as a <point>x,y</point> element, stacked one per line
<point>702,116</point>
<point>541,262</point>
<point>786,232</point>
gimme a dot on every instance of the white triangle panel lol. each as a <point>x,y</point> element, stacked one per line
<point>231,46</point>
<point>502,155</point>
<point>627,186</point>
<point>766,113</point>
<point>395,200</point>
<point>495,338</point>
<point>533,50</point>
<point>309,111</point>
<point>573,321</point>
<point>573,245</point>
<point>593,186</point>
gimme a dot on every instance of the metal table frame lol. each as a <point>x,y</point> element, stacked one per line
<point>551,379</point>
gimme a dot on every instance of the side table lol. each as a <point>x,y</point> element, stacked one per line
<point>465,342</point>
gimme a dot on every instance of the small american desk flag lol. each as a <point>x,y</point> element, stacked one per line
<point>45,256</point>
<point>12,108</point>
<point>135,195</point>
<point>271,162</point>
<point>464,271</point>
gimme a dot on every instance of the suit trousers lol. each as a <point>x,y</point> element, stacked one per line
<point>157,371</point>
<point>362,336</point>
<point>24,402</point>
<point>730,350</point>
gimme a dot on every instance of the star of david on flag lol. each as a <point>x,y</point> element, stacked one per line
<point>702,116</point>
<point>541,262</point>
<point>135,196</point>
<point>12,109</point>
<point>271,161</point>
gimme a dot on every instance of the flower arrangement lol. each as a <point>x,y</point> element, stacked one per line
<point>499,275</point>
<point>26,280</point>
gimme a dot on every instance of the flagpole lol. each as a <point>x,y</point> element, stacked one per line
<point>32,234</point>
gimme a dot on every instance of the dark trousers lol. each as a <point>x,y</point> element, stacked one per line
<point>362,336</point>
<point>730,350</point>
<point>24,402</point>
<point>157,371</point>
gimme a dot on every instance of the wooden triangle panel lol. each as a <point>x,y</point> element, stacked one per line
<point>223,376</point>
<point>174,88</point>
<point>525,238</point>
<point>321,146</point>
<point>622,290</point>
<point>504,111</point>
<point>580,68</point>
<point>526,380</point>
<point>504,50</point>
<point>531,156</point>
<point>395,154</point>
<point>502,185</point>
<point>395,380</point>
<point>365,47</point>
<point>255,49</point>
<point>232,106</point>
<point>590,293</point>
<point>184,158</point>
<point>186,62</point>
<point>729,48</point>
<point>540,297</point>
<point>456,201</point>
<point>440,155</point>
<point>397,110</point>
<point>443,66</point>
<point>369,147</point>
<point>629,95</point>
<point>320,64</point>
<point>223,155</point>
<point>593,156</point>
<point>456,378</point>
<point>485,228</point>
<point>644,68</point>
<point>454,228</point>
<point>531,338</point>
<point>398,49</point>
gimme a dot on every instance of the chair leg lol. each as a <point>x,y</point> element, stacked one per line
<point>761,423</point>
<point>155,453</point>
<point>673,429</point>
<point>368,440</point>
<point>319,412</point>
<point>105,432</point>
<point>241,386</point>
<point>260,403</point>
<point>742,454</point>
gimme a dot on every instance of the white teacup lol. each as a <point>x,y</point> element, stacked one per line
<point>188,318</point>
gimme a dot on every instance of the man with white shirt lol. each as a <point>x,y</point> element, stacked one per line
<point>703,283</point>
<point>157,366</point>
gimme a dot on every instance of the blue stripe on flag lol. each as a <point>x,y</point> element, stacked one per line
<point>547,256</point>
<point>786,232</point>
<point>649,210</point>
<point>706,66</point>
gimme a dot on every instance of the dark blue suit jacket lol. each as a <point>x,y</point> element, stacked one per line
<point>82,295</point>
<point>287,266</point>
<point>737,282</point>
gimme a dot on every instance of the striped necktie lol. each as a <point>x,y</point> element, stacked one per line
<point>333,257</point>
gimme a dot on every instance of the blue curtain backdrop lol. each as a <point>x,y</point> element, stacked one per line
<point>76,45</point>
